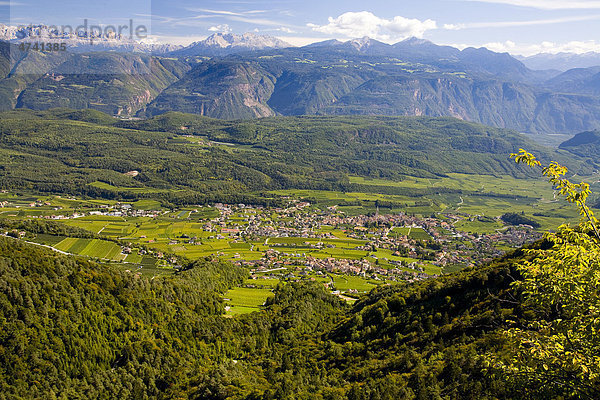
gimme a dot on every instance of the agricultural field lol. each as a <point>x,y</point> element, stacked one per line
<point>479,195</point>
<point>346,283</point>
<point>288,241</point>
<point>111,188</point>
<point>93,248</point>
<point>243,300</point>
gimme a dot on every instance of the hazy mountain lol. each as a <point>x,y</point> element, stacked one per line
<point>584,144</point>
<point>220,44</point>
<point>420,50</point>
<point>561,61</point>
<point>501,65</point>
<point>354,78</point>
<point>577,80</point>
<point>119,84</point>
<point>325,43</point>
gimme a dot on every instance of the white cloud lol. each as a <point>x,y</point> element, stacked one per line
<point>224,28</point>
<point>547,4</point>
<point>511,24</point>
<point>225,12</point>
<point>364,23</point>
<point>283,29</point>
<point>248,17</point>
<point>255,21</point>
<point>528,49</point>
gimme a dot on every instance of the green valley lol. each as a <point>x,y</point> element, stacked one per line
<point>187,212</point>
<point>337,235</point>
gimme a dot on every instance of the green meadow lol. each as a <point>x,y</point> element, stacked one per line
<point>344,283</point>
<point>477,200</point>
<point>244,300</point>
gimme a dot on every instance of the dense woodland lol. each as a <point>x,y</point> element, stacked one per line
<point>76,329</point>
<point>87,153</point>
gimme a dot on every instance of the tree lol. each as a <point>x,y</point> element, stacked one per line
<point>557,354</point>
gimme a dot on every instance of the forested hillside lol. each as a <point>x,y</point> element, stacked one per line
<point>584,144</point>
<point>71,328</point>
<point>191,159</point>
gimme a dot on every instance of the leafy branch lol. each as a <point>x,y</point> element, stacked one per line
<point>576,193</point>
<point>557,354</point>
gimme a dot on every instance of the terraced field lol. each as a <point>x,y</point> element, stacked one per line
<point>95,248</point>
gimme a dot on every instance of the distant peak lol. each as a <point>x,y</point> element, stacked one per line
<point>415,41</point>
<point>330,42</point>
<point>362,40</point>
<point>248,39</point>
<point>364,43</point>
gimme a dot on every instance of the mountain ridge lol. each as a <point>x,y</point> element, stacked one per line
<point>220,44</point>
<point>362,76</point>
<point>563,61</point>
<point>349,78</point>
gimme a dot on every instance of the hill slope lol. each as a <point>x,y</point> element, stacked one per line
<point>65,151</point>
<point>584,144</point>
<point>73,328</point>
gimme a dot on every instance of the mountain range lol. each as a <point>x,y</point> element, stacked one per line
<point>561,61</point>
<point>247,76</point>
<point>220,44</point>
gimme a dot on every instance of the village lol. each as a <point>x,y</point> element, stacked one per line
<point>435,242</point>
<point>301,238</point>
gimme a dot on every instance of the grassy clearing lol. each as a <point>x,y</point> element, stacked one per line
<point>244,300</point>
<point>265,283</point>
<point>109,187</point>
<point>346,282</point>
<point>147,205</point>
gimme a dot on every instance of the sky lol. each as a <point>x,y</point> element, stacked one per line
<point>522,27</point>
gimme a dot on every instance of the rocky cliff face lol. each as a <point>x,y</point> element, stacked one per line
<point>220,90</point>
<point>118,84</point>
<point>287,84</point>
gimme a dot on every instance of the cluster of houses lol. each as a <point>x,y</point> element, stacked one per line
<point>452,246</point>
<point>440,243</point>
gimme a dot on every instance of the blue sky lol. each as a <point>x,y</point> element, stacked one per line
<point>517,26</point>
